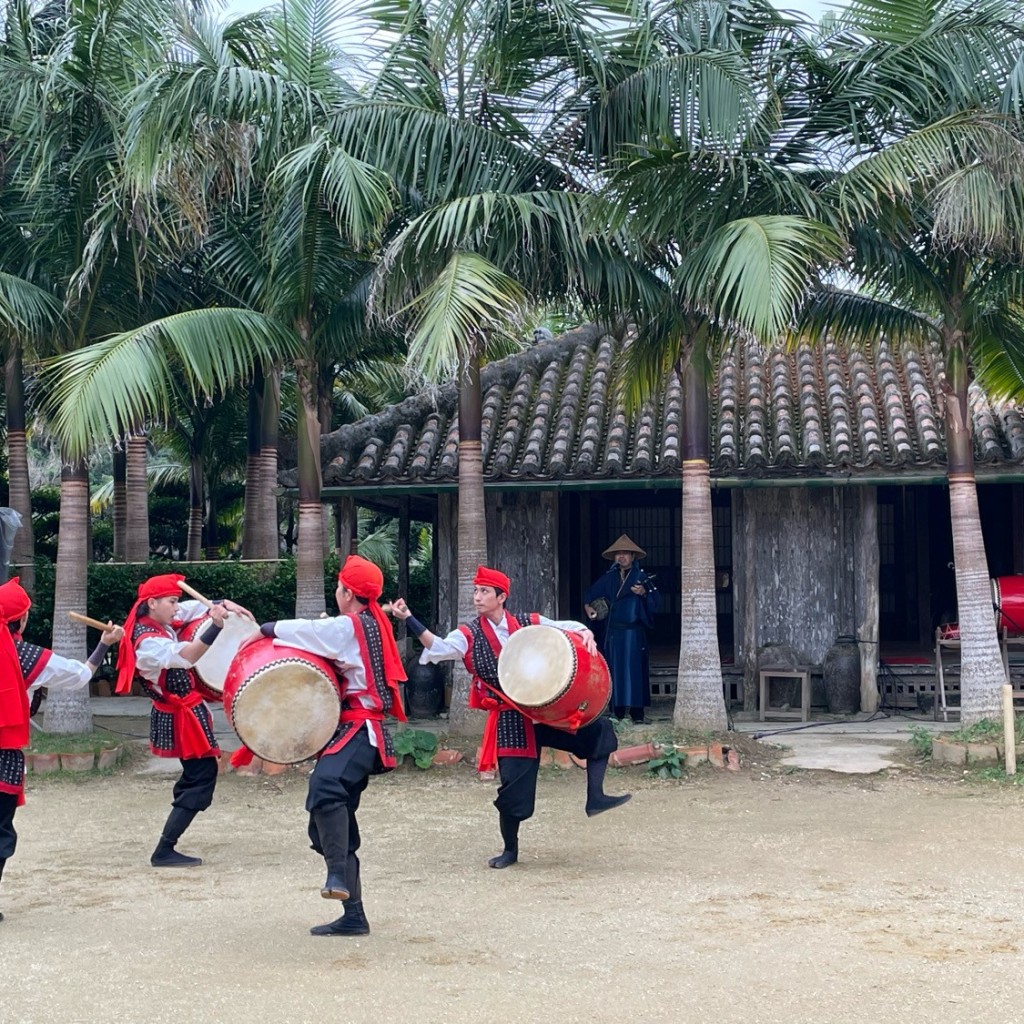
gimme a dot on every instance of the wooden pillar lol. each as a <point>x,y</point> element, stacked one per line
<point>403,558</point>
<point>345,527</point>
<point>867,578</point>
<point>745,594</point>
<point>923,575</point>
<point>446,546</point>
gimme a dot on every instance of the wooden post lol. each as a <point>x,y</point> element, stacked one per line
<point>1009,733</point>
<point>403,558</point>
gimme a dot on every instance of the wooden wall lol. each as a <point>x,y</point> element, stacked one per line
<point>522,541</point>
<point>805,564</point>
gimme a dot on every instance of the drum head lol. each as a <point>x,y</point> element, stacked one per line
<point>536,665</point>
<point>212,666</point>
<point>287,711</point>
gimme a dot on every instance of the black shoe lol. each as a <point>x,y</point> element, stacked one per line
<point>1,916</point>
<point>606,803</point>
<point>504,859</point>
<point>172,859</point>
<point>334,888</point>
<point>348,924</point>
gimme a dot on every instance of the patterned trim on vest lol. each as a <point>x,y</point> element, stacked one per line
<point>515,733</point>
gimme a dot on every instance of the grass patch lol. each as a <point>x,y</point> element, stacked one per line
<point>921,740</point>
<point>987,731</point>
<point>996,775</point>
<point>70,743</point>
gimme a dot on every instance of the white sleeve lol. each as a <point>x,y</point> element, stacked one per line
<point>189,610</point>
<point>333,638</point>
<point>452,648</point>
<point>567,625</point>
<point>62,674</point>
<point>154,655</point>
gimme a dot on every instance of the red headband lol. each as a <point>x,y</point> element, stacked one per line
<point>362,577</point>
<point>14,601</point>
<point>491,578</point>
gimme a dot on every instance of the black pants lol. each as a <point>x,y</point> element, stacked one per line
<point>340,779</point>
<point>194,790</point>
<point>517,794</point>
<point>8,837</point>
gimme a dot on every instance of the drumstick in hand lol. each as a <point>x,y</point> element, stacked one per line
<point>195,593</point>
<point>86,621</point>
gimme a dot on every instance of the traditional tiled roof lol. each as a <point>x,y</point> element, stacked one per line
<point>551,413</point>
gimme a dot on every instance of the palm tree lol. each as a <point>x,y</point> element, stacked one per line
<point>926,101</point>
<point>275,75</point>
<point>698,131</point>
<point>476,113</point>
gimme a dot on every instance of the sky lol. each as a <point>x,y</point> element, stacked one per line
<point>814,8</point>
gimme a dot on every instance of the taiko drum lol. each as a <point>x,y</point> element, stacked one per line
<point>553,677</point>
<point>212,667</point>
<point>1008,597</point>
<point>283,702</point>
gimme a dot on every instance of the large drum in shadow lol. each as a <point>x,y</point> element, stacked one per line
<point>553,678</point>
<point>212,667</point>
<point>1008,598</point>
<point>283,702</point>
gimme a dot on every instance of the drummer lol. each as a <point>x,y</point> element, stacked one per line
<point>513,742</point>
<point>24,667</point>
<point>362,647</point>
<point>180,724</point>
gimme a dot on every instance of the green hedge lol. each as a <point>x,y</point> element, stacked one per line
<point>267,589</point>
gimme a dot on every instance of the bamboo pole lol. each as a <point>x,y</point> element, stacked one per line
<point>1009,733</point>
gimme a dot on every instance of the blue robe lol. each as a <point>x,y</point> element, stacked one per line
<point>625,634</point>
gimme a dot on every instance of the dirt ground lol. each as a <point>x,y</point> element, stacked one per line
<point>757,896</point>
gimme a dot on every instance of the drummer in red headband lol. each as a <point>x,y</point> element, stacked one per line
<point>362,647</point>
<point>180,724</point>
<point>512,742</point>
<point>24,667</point>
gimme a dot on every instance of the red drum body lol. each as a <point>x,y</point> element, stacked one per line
<point>553,678</point>
<point>212,668</point>
<point>283,702</point>
<point>1008,597</point>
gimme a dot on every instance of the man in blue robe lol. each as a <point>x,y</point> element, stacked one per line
<point>626,599</point>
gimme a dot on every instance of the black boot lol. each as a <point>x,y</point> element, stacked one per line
<point>165,855</point>
<point>597,800</point>
<point>510,835</point>
<point>352,922</point>
<point>3,861</point>
<point>332,825</point>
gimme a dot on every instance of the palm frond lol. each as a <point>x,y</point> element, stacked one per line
<point>25,308</point>
<point>99,391</point>
<point>755,272</point>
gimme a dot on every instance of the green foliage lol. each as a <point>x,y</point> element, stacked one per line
<point>921,740</point>
<point>73,743</point>
<point>669,763</point>
<point>420,744</point>
<point>988,731</point>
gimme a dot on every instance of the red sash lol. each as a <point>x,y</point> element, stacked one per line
<point>191,739</point>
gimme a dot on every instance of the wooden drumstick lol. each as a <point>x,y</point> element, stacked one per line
<point>195,593</point>
<point>86,621</point>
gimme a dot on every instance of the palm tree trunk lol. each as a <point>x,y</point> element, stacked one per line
<point>212,533</point>
<point>325,414</point>
<point>23,552</point>
<point>268,542</point>
<point>250,513</point>
<point>309,563</point>
<point>194,548</point>
<point>700,703</point>
<point>137,491</point>
<point>472,536</point>
<point>68,711</point>
<point>120,460</point>
<point>981,665</point>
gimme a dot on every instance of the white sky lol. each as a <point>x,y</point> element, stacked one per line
<point>815,8</point>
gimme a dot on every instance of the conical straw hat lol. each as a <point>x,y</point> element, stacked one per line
<point>624,544</point>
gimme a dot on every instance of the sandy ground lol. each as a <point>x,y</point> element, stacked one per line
<point>755,897</point>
